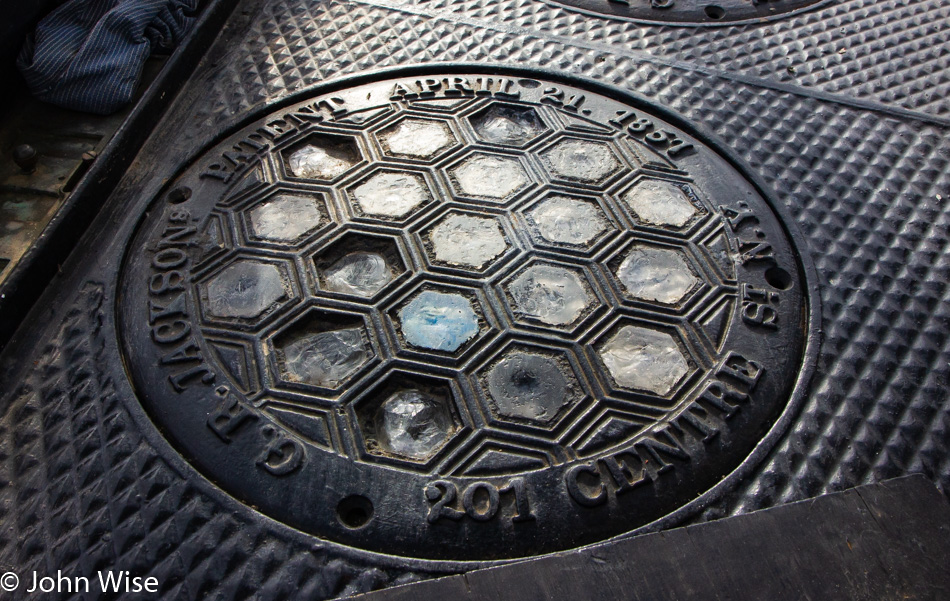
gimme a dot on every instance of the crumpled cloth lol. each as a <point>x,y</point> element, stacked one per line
<point>88,55</point>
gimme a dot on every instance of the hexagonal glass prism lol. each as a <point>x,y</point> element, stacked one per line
<point>438,321</point>
<point>467,240</point>
<point>285,218</point>
<point>644,359</point>
<point>569,220</point>
<point>360,273</point>
<point>656,274</point>
<point>529,386</point>
<point>490,176</point>
<point>412,424</point>
<point>510,125</point>
<point>417,138</point>
<point>392,194</point>
<point>245,289</point>
<point>582,160</point>
<point>658,202</point>
<point>324,359</point>
<point>550,294</point>
<point>323,157</point>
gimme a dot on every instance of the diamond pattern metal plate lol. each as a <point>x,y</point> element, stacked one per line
<point>840,110</point>
<point>489,316</point>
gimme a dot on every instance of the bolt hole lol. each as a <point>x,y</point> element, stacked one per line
<point>355,511</point>
<point>179,195</point>
<point>715,12</point>
<point>778,278</point>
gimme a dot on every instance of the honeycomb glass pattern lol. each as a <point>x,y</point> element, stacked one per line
<point>323,157</point>
<point>285,218</point>
<point>474,292</point>
<point>644,359</point>
<point>489,176</point>
<point>657,202</point>
<point>417,138</point>
<point>656,274</point>
<point>438,321</point>
<point>549,294</point>
<point>391,194</point>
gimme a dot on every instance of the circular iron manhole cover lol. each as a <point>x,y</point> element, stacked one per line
<point>690,12</point>
<point>463,317</point>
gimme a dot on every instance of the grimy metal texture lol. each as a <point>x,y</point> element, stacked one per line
<point>463,317</point>
<point>689,12</point>
<point>853,145</point>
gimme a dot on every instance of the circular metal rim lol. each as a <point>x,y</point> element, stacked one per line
<point>153,431</point>
<point>821,4</point>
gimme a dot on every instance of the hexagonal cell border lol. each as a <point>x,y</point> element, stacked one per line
<point>248,183</point>
<point>421,237</point>
<point>566,358</point>
<point>281,156</point>
<point>695,223</point>
<point>386,157</point>
<point>586,432</point>
<point>702,320</point>
<point>458,195</point>
<point>375,240</point>
<point>597,306</point>
<point>539,110</point>
<point>285,413</point>
<point>488,324</point>
<point>210,255</point>
<point>383,387</point>
<point>642,402</point>
<point>420,212</point>
<point>328,211</point>
<point>704,244</point>
<point>285,266</point>
<point>625,167</point>
<point>323,316</point>
<point>611,263</point>
<point>532,229</point>
<point>543,452</point>
<point>448,105</point>
<point>367,118</point>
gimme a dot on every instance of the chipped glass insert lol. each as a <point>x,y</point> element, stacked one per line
<point>467,240</point>
<point>508,125</point>
<point>325,358</point>
<point>417,138</point>
<point>552,295</point>
<point>644,359</point>
<point>245,290</point>
<point>660,203</point>
<point>392,194</point>
<point>568,220</point>
<point>582,160</point>
<point>285,218</point>
<point>412,424</point>
<point>323,158</point>
<point>528,386</point>
<point>360,273</point>
<point>438,321</point>
<point>490,176</point>
<point>656,274</point>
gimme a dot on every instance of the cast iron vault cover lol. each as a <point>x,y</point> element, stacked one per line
<point>463,317</point>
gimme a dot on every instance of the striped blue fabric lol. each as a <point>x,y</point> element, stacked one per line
<point>88,55</point>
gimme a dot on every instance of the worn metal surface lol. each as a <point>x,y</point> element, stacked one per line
<point>887,540</point>
<point>853,146</point>
<point>477,316</point>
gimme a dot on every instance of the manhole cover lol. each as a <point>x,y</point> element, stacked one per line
<point>463,317</point>
<point>690,12</point>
